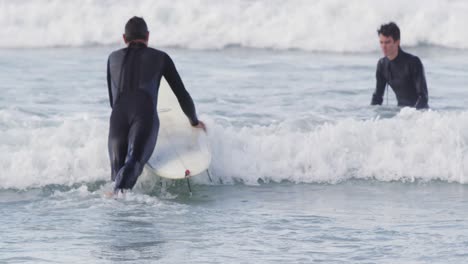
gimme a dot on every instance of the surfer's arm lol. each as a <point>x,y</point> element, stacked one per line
<point>377,97</point>
<point>109,83</point>
<point>177,86</point>
<point>419,83</point>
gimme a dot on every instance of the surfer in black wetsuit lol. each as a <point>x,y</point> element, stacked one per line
<point>133,77</point>
<point>402,71</point>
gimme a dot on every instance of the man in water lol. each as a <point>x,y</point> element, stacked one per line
<point>402,71</point>
<point>133,77</point>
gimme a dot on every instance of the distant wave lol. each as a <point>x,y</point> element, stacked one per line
<point>411,146</point>
<point>314,25</point>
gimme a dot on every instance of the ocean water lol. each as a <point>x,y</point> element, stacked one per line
<point>304,170</point>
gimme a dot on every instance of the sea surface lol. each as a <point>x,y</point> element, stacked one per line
<point>304,170</point>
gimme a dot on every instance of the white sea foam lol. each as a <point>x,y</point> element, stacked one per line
<point>34,154</point>
<point>331,25</point>
<point>411,146</point>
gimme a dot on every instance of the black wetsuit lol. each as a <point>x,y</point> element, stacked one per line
<point>405,74</point>
<point>133,77</point>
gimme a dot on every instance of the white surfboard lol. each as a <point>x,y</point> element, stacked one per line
<point>181,150</point>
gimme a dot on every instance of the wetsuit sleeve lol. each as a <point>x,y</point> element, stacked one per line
<point>377,97</point>
<point>420,84</point>
<point>177,86</point>
<point>109,83</point>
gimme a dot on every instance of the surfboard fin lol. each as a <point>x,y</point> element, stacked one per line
<point>209,175</point>
<point>190,189</point>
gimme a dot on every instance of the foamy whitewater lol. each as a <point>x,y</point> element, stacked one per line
<point>331,25</point>
<point>304,169</point>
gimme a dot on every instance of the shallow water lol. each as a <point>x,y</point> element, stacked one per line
<point>355,221</point>
<point>303,168</point>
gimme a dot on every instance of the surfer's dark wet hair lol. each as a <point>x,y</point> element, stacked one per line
<point>136,29</point>
<point>390,30</point>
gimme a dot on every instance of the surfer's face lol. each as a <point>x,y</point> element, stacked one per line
<point>389,46</point>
